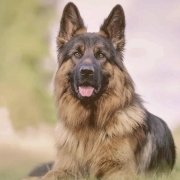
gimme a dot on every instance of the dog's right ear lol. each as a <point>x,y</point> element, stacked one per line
<point>70,25</point>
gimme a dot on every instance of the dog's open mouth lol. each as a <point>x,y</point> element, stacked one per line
<point>86,91</point>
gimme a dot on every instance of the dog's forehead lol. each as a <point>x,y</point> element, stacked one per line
<point>91,39</point>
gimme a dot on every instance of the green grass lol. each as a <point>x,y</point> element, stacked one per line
<point>24,45</point>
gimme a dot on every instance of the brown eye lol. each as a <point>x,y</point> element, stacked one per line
<point>77,55</point>
<point>100,55</point>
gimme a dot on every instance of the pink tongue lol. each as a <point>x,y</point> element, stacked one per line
<point>86,91</point>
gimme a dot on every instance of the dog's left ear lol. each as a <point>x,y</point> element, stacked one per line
<point>114,26</point>
<point>70,25</point>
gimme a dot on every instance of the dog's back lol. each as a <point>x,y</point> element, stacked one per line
<point>158,151</point>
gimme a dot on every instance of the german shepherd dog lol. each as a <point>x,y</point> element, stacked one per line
<point>103,129</point>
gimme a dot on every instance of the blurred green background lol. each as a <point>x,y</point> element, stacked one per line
<point>24,85</point>
<point>24,88</point>
<point>23,47</point>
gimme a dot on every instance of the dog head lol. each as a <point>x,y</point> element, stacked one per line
<point>87,60</point>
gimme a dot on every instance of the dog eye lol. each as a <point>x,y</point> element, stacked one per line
<point>100,55</point>
<point>77,55</point>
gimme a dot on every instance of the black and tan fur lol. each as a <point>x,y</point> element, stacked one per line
<point>109,135</point>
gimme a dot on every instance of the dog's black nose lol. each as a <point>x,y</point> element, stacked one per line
<point>86,70</point>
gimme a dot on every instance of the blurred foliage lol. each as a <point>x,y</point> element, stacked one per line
<point>23,46</point>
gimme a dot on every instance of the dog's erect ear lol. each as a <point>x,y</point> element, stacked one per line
<point>70,25</point>
<point>114,26</point>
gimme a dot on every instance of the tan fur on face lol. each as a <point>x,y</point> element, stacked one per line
<point>71,112</point>
<point>119,94</point>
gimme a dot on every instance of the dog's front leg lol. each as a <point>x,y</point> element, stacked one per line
<point>64,168</point>
<point>113,170</point>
